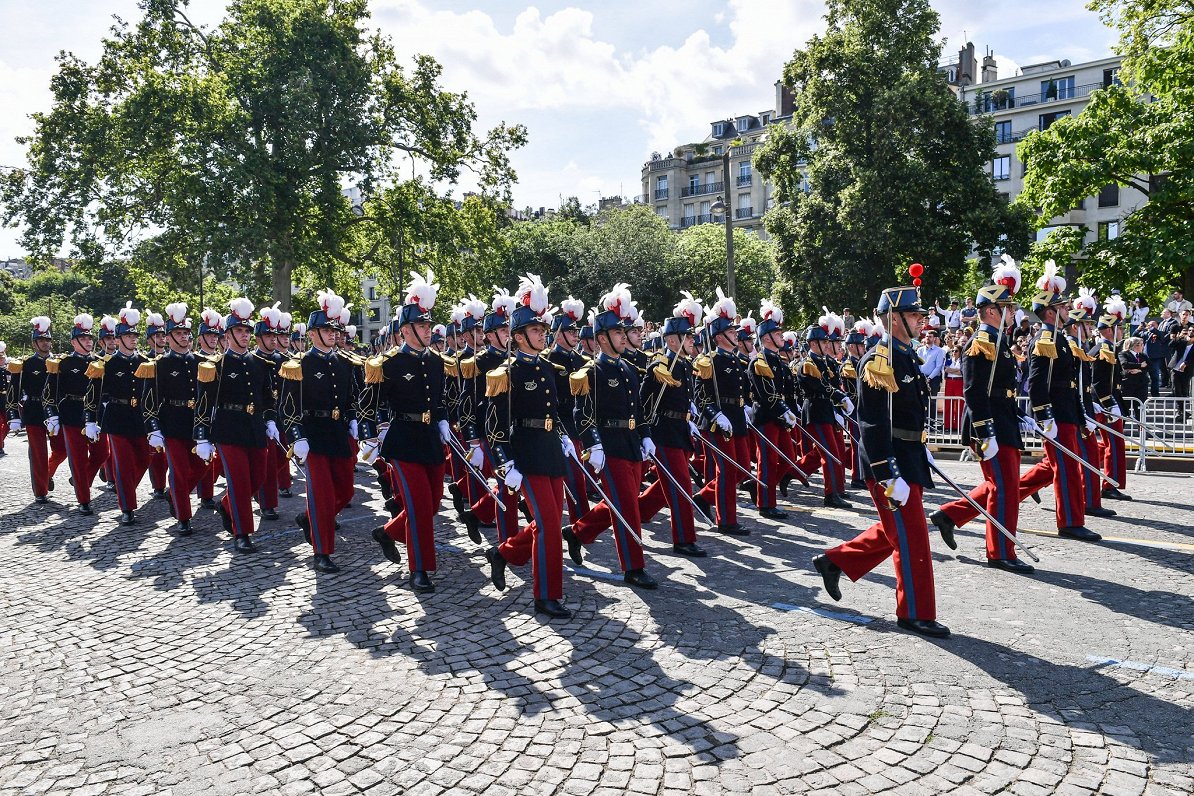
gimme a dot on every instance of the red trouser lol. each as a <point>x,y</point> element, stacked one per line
<point>578,486</point>
<point>284,479</point>
<point>999,494</point>
<point>621,479</point>
<point>540,542</point>
<point>490,510</point>
<point>1091,453</point>
<point>771,469</point>
<point>84,458</point>
<point>420,488</point>
<point>1063,472</point>
<point>664,493</point>
<point>330,487</point>
<point>207,483</point>
<point>904,536</point>
<point>157,470</point>
<point>267,490</point>
<point>45,454</point>
<point>130,460</point>
<point>722,492</point>
<point>856,470</point>
<point>186,470</point>
<point>244,470</point>
<point>1115,454</point>
<point>3,427</point>
<point>829,436</point>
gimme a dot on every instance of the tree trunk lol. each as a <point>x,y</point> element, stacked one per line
<point>281,283</point>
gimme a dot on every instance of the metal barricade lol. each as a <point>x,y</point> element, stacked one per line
<point>1162,426</point>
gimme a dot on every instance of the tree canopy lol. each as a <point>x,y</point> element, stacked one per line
<point>230,147</point>
<point>1128,133</point>
<point>881,166</point>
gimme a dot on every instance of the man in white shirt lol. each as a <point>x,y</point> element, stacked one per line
<point>1178,303</point>
<point>953,316</point>
<point>933,367</point>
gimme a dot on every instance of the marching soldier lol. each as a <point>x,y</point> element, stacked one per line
<point>465,390</point>
<point>317,404</point>
<point>1082,317</point>
<point>722,389</point>
<point>635,354</point>
<point>822,403</point>
<point>155,341</point>
<point>65,394</point>
<point>771,382</point>
<point>1057,408</point>
<point>893,399</point>
<point>285,349</point>
<point>567,359</point>
<point>298,338</point>
<point>991,423</point>
<point>529,449</point>
<point>211,333</point>
<point>667,401</point>
<point>266,330</point>
<point>588,345</point>
<point>26,388</point>
<point>609,418</point>
<point>410,379</point>
<point>170,389</point>
<point>1108,394</point>
<point>234,418</point>
<point>856,347</point>
<point>114,406</point>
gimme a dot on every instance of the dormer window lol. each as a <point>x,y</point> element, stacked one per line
<point>719,129</point>
<point>743,124</point>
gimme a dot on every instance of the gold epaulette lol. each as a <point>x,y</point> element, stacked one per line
<point>810,369</point>
<point>146,370</point>
<point>497,381</point>
<point>95,368</point>
<point>1107,354</point>
<point>578,382</point>
<point>292,370</point>
<point>982,344</point>
<point>468,367</point>
<point>353,357</point>
<point>849,371</point>
<point>763,369</point>
<point>703,366</point>
<point>1045,346</point>
<point>52,365</point>
<point>556,365</point>
<point>663,374</point>
<point>207,370</point>
<point>1078,353</point>
<point>15,365</point>
<point>878,373</point>
<point>373,372</point>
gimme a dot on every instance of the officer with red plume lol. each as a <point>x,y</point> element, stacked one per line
<point>65,393</point>
<point>25,409</point>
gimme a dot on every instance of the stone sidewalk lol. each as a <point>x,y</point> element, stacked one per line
<point>132,662</point>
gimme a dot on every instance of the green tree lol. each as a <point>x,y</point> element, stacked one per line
<point>230,146</point>
<point>1127,133</point>
<point>698,265</point>
<point>896,170</point>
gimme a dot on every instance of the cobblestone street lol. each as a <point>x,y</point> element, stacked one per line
<point>134,662</point>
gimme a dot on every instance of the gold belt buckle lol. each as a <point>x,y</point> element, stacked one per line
<point>427,417</point>
<point>631,424</point>
<point>249,409</point>
<point>924,437</point>
<point>336,413</point>
<point>133,402</point>
<point>548,425</point>
<point>1011,393</point>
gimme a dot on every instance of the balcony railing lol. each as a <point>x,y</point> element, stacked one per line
<point>660,193</point>
<point>988,104</point>
<point>744,180</point>
<point>701,190</point>
<point>692,221</point>
<point>744,212</point>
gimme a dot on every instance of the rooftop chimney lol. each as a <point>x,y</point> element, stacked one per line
<point>990,71</point>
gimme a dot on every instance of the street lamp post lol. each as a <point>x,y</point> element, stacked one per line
<point>720,208</point>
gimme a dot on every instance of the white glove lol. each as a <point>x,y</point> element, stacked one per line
<point>156,440</point>
<point>750,413</point>
<point>723,422</point>
<point>14,425</point>
<point>353,431</point>
<point>596,458</point>
<point>790,419</point>
<point>693,430</point>
<point>929,456</point>
<point>204,450</point>
<point>989,449</point>
<point>513,479</point>
<point>300,451</point>
<point>692,410</point>
<point>897,491</point>
<point>53,425</point>
<point>1090,425</point>
<point>445,431</point>
<point>476,456</point>
<point>568,448</point>
<point>840,418</point>
<point>271,431</point>
<point>848,405</point>
<point>369,449</point>
<point>1116,412</point>
<point>1027,426</point>
<point>648,446</point>
<point>1047,428</point>
<point>91,431</point>
<point>1098,408</point>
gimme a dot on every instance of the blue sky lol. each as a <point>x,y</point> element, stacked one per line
<point>598,85</point>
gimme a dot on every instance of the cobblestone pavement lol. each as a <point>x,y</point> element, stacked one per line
<point>134,662</point>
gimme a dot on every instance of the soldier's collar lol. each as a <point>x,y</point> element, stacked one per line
<point>526,357</point>
<point>604,357</point>
<point>896,345</point>
<point>989,329</point>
